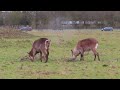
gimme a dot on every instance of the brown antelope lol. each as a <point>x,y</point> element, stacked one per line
<point>40,46</point>
<point>89,44</point>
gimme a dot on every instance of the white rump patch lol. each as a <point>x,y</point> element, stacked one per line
<point>45,44</point>
<point>47,40</point>
<point>96,46</point>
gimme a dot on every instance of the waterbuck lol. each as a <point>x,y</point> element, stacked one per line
<point>40,46</point>
<point>89,44</point>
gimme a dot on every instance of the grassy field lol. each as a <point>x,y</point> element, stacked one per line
<point>15,46</point>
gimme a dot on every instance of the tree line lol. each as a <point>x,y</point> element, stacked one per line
<point>53,19</point>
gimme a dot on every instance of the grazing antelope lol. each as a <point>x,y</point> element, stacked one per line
<point>40,46</point>
<point>89,44</point>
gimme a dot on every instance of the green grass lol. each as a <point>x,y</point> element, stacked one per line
<point>57,67</point>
